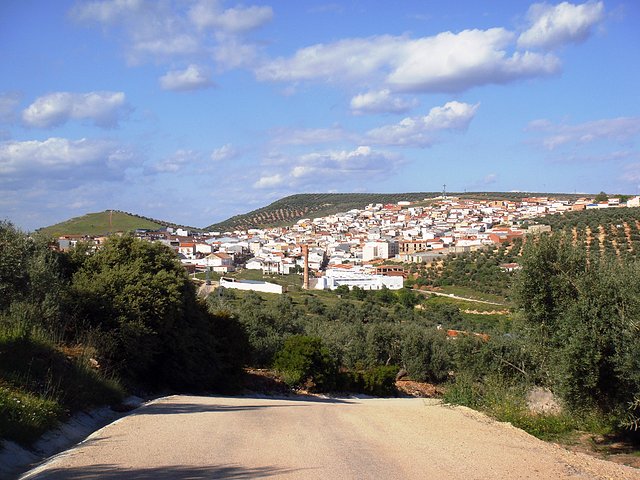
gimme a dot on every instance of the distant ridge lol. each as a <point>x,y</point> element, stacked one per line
<point>99,223</point>
<point>289,210</point>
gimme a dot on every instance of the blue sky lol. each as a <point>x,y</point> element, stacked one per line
<point>195,110</point>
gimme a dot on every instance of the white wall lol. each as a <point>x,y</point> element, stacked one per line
<point>334,278</point>
<point>255,286</point>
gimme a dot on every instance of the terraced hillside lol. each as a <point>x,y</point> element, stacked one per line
<point>101,223</point>
<point>603,233</point>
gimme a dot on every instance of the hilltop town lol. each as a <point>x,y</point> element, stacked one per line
<point>360,247</point>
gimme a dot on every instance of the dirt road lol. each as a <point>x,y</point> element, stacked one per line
<point>183,437</point>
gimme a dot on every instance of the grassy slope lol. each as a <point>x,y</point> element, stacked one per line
<point>98,224</point>
<point>41,384</point>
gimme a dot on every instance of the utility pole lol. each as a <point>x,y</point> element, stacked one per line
<point>444,191</point>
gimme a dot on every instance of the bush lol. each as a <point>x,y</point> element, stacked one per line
<point>305,362</point>
<point>425,353</point>
<point>378,381</point>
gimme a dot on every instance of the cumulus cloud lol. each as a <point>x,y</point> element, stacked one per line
<point>103,109</point>
<point>63,160</point>
<point>381,101</point>
<point>447,62</point>
<point>613,129</point>
<point>168,30</point>
<point>552,26</point>
<point>269,181</point>
<point>422,131</point>
<point>193,77</point>
<point>225,152</point>
<point>328,168</point>
<point>344,60</point>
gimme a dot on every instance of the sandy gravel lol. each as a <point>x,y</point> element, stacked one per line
<point>185,437</point>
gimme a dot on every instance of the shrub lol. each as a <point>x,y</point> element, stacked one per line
<point>380,381</point>
<point>305,362</point>
<point>425,353</point>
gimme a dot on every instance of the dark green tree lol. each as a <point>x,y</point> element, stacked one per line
<point>147,323</point>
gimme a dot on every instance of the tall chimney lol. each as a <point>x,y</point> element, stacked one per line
<point>305,278</point>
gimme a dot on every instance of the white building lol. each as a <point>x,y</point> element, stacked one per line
<point>218,262</point>
<point>253,285</point>
<point>334,277</point>
<point>633,202</point>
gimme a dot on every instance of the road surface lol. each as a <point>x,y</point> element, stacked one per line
<point>188,437</point>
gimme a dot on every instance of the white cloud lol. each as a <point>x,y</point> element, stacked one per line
<point>177,162</point>
<point>62,161</point>
<point>613,129</point>
<point>319,170</point>
<point>232,52</point>
<point>226,152</point>
<point>269,181</point>
<point>447,62</point>
<point>421,131</point>
<point>164,31</point>
<point>451,62</point>
<point>104,109</point>
<point>206,14</point>
<point>193,77</point>
<point>553,26</point>
<point>382,101</point>
<point>344,60</point>
<point>179,44</point>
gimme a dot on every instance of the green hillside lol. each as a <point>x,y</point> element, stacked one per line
<point>100,224</point>
<point>289,210</point>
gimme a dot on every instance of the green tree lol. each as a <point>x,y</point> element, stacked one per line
<point>601,197</point>
<point>425,353</point>
<point>147,323</point>
<point>306,362</point>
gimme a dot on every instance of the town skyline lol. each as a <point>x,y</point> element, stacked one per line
<point>197,111</point>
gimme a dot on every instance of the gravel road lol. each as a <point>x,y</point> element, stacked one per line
<point>188,437</point>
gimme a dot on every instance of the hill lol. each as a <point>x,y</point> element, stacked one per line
<point>101,223</point>
<point>289,210</point>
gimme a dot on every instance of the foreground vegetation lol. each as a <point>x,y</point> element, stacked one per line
<point>80,329</point>
<point>83,328</point>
